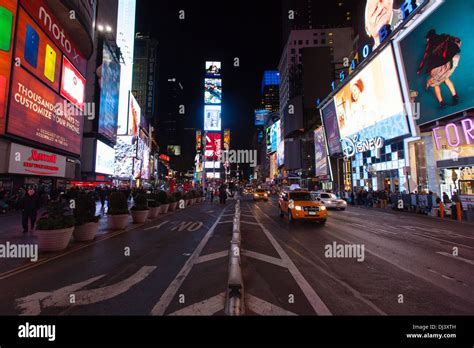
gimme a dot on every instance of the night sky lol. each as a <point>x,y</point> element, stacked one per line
<point>249,30</point>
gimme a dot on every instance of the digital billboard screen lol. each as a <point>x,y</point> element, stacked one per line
<point>438,60</point>
<point>212,91</point>
<point>7,20</point>
<point>273,137</point>
<point>104,158</point>
<point>109,95</point>
<point>281,153</point>
<point>320,154</point>
<point>212,117</point>
<point>260,117</point>
<point>125,151</point>
<point>213,145</point>
<point>49,119</point>
<point>134,116</point>
<point>370,105</point>
<point>73,84</point>
<point>174,150</point>
<point>213,68</point>
<point>331,128</point>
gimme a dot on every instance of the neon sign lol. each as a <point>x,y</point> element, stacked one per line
<point>452,134</point>
<point>352,146</point>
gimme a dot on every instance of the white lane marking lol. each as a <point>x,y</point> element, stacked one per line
<point>262,307</point>
<point>170,292</point>
<point>455,257</point>
<point>318,305</point>
<point>264,258</point>
<point>207,307</point>
<point>226,221</point>
<point>249,223</point>
<point>210,257</point>
<point>33,304</point>
<point>248,215</point>
<point>156,226</point>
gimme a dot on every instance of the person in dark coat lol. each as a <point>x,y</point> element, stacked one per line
<point>29,208</point>
<point>222,194</point>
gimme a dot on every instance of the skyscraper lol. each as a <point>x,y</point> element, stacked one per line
<point>271,90</point>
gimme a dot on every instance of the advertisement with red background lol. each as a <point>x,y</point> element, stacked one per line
<point>213,145</point>
<point>50,24</point>
<point>33,114</point>
<point>8,10</point>
<point>33,50</point>
<point>73,84</point>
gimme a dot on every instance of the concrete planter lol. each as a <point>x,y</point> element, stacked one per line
<point>153,212</point>
<point>86,232</point>
<point>165,208</point>
<point>117,222</point>
<point>54,240</point>
<point>173,206</point>
<point>139,216</point>
<point>188,202</point>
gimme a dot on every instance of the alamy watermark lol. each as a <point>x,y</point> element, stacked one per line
<point>19,251</point>
<point>239,157</point>
<point>67,109</point>
<point>345,251</point>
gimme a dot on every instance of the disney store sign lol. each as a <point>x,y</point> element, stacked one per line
<point>351,146</point>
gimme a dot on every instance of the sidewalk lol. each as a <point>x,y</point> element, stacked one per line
<point>397,212</point>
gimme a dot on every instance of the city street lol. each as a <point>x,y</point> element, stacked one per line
<point>178,265</point>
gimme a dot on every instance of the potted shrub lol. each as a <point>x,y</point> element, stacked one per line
<point>54,229</point>
<point>140,209</point>
<point>201,196</point>
<point>118,211</point>
<point>163,199</point>
<point>153,205</point>
<point>193,196</point>
<point>178,196</point>
<point>172,202</point>
<point>87,222</point>
<point>188,198</point>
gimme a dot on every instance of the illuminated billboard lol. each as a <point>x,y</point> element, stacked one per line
<point>212,117</point>
<point>438,61</point>
<point>125,151</point>
<point>370,105</point>
<point>331,128</point>
<point>49,119</point>
<point>213,69</point>
<point>213,145</point>
<point>213,91</point>
<point>104,158</point>
<point>226,139</point>
<point>174,150</point>
<point>320,153</point>
<point>273,137</point>
<point>109,94</point>
<point>260,116</point>
<point>73,84</point>
<point>198,140</point>
<point>281,153</point>
<point>134,116</point>
<point>7,20</point>
<point>212,165</point>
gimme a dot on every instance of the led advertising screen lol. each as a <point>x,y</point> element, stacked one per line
<point>104,158</point>
<point>73,84</point>
<point>370,105</point>
<point>134,116</point>
<point>174,150</point>
<point>213,69</point>
<point>213,145</point>
<point>7,20</point>
<point>281,153</point>
<point>331,128</point>
<point>381,17</point>
<point>226,139</point>
<point>260,117</point>
<point>125,151</point>
<point>145,170</point>
<point>212,165</point>
<point>50,121</point>
<point>198,140</point>
<point>109,95</point>
<point>438,59</point>
<point>212,117</point>
<point>213,91</point>
<point>38,54</point>
<point>320,154</point>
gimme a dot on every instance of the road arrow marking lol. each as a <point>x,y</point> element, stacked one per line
<point>156,226</point>
<point>33,304</point>
<point>207,307</point>
<point>264,258</point>
<point>262,307</point>
<point>211,257</point>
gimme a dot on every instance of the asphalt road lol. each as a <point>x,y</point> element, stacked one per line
<point>178,265</point>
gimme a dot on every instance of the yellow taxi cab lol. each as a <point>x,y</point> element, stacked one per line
<point>301,205</point>
<point>260,194</point>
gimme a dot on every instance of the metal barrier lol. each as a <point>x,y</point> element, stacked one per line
<point>235,284</point>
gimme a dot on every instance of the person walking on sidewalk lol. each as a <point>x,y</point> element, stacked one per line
<point>29,206</point>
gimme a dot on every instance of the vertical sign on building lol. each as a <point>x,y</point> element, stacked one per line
<point>150,93</point>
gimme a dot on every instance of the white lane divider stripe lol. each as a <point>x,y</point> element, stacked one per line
<point>207,307</point>
<point>455,257</point>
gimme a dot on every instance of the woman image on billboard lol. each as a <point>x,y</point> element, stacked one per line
<point>440,60</point>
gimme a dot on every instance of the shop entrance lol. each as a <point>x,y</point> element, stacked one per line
<point>388,180</point>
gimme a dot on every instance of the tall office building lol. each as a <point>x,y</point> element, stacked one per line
<point>271,90</point>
